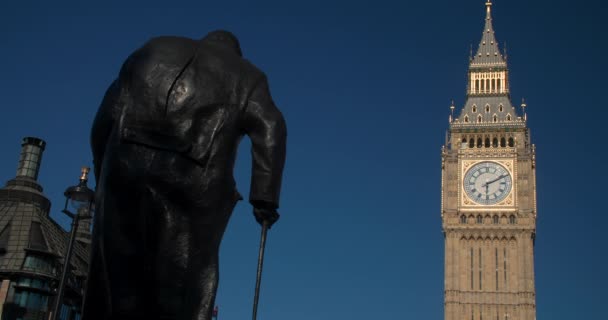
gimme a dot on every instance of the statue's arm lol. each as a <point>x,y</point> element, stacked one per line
<point>265,126</point>
<point>103,124</point>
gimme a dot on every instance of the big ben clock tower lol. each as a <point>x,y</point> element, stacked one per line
<point>488,193</point>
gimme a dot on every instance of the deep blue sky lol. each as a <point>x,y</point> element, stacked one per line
<point>365,87</point>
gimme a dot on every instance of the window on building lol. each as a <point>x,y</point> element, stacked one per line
<point>38,264</point>
<point>479,119</point>
<point>463,219</point>
<point>505,268</point>
<point>487,108</point>
<point>508,117</point>
<point>511,142</point>
<point>495,142</point>
<point>466,118</point>
<point>495,219</point>
<point>512,219</point>
<point>472,287</point>
<point>34,299</point>
<point>479,219</point>
<point>479,143</point>
<point>471,143</point>
<point>480,268</point>
<point>503,142</point>
<point>500,108</point>
<point>487,144</point>
<point>495,118</point>
<point>496,251</point>
<point>474,109</point>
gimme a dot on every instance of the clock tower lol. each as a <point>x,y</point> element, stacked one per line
<point>488,196</point>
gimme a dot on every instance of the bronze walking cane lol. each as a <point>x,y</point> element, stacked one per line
<point>258,279</point>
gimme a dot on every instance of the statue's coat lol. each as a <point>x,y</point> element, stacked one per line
<point>164,145</point>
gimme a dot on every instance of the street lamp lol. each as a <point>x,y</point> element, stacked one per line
<point>78,198</point>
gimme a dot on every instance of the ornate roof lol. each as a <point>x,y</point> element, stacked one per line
<point>31,243</point>
<point>488,111</point>
<point>488,53</point>
<point>488,108</point>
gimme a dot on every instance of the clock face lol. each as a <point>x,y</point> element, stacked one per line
<point>487,183</point>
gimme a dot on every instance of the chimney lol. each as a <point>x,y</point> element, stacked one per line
<point>31,156</point>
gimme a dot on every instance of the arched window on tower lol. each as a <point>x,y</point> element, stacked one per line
<point>474,108</point>
<point>495,118</point>
<point>487,108</point>
<point>511,142</point>
<point>479,219</point>
<point>498,85</point>
<point>500,108</point>
<point>478,118</point>
<point>503,142</point>
<point>495,219</point>
<point>487,144</point>
<point>479,143</point>
<point>508,117</point>
<point>512,219</point>
<point>466,118</point>
<point>463,219</point>
<point>495,142</point>
<point>471,143</point>
<point>477,85</point>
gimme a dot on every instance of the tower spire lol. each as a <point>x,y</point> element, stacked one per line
<point>488,52</point>
<point>488,83</point>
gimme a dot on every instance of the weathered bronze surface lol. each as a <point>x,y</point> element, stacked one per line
<point>164,145</point>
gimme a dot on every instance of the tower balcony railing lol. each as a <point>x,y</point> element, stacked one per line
<point>487,92</point>
<point>517,123</point>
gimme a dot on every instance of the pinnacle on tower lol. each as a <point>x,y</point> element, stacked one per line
<point>488,52</point>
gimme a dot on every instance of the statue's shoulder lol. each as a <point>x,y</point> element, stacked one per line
<point>171,43</point>
<point>253,69</point>
<point>164,50</point>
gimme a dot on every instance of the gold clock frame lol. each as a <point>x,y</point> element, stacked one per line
<point>508,202</point>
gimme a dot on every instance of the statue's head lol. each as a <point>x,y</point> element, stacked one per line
<point>225,39</point>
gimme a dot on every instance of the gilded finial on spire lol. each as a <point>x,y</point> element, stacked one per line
<point>84,173</point>
<point>488,8</point>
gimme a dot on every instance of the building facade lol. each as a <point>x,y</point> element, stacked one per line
<point>32,246</point>
<point>488,206</point>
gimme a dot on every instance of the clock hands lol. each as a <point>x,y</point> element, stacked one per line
<point>492,181</point>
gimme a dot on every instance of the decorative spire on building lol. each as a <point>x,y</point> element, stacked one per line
<point>452,107</point>
<point>488,96</point>
<point>488,52</point>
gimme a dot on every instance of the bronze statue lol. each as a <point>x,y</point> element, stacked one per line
<point>164,145</point>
